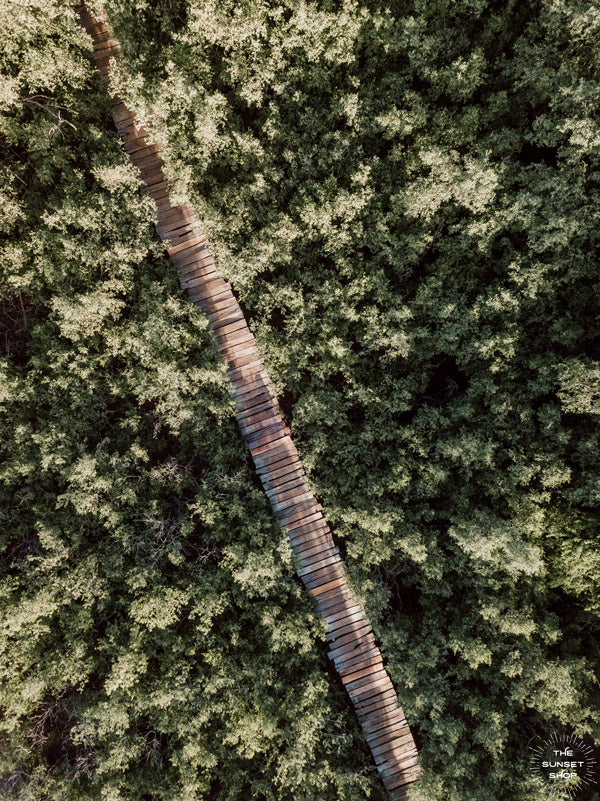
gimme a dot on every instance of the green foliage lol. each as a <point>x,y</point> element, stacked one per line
<point>405,198</point>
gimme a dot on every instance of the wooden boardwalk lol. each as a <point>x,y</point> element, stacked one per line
<point>352,646</point>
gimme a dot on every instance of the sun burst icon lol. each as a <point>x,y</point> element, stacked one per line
<point>564,764</point>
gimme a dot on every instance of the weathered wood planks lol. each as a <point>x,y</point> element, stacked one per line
<point>352,646</point>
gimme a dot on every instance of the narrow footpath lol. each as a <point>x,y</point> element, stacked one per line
<point>352,646</point>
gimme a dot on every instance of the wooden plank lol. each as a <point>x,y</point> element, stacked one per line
<point>336,604</point>
<point>157,192</point>
<point>317,534</point>
<point>357,657</point>
<point>354,616</point>
<point>309,545</point>
<point>248,412</point>
<point>334,597</point>
<point>177,230</point>
<point>196,257</point>
<point>378,689</point>
<point>396,762</point>
<point>400,794</point>
<point>382,744</point>
<point>282,500</point>
<point>232,322</point>
<point>101,37</point>
<point>206,303</point>
<point>326,550</point>
<point>177,225</point>
<point>199,281</point>
<point>326,578</point>
<point>135,143</point>
<point>287,480</point>
<point>240,361</point>
<point>246,398</point>
<point>152,176</point>
<point>216,309</point>
<point>261,403</point>
<point>403,777</point>
<point>194,273</point>
<point>282,455</point>
<point>261,450</point>
<point>281,492</point>
<point>257,413</point>
<point>284,474</point>
<point>380,702</point>
<point>381,739</point>
<point>379,716</point>
<point>156,181</point>
<point>354,611</point>
<point>229,321</point>
<point>260,421</point>
<point>341,606</point>
<point>355,686</point>
<point>407,773</point>
<point>202,282</point>
<point>265,415</point>
<point>316,591</point>
<point>235,339</point>
<point>353,651</point>
<point>249,386</point>
<point>194,269</point>
<point>392,748</point>
<point>351,643</point>
<point>120,112</point>
<point>384,723</point>
<point>198,250</point>
<point>366,671</point>
<point>270,427</point>
<point>211,285</point>
<point>245,372</point>
<point>351,636</point>
<point>264,437</point>
<point>373,660</point>
<point>324,574</point>
<point>374,657</point>
<point>197,239</point>
<point>315,572</point>
<point>105,43</point>
<point>146,161</point>
<point>309,526</point>
<point>174,230</point>
<point>182,210</point>
<point>102,57</point>
<point>380,707</point>
<point>318,566</point>
<point>353,628</point>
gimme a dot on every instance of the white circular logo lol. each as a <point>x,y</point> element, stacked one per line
<point>564,764</point>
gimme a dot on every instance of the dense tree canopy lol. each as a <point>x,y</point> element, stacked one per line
<point>155,643</point>
<point>405,197</point>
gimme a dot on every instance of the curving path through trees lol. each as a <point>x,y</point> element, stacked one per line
<point>352,646</point>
